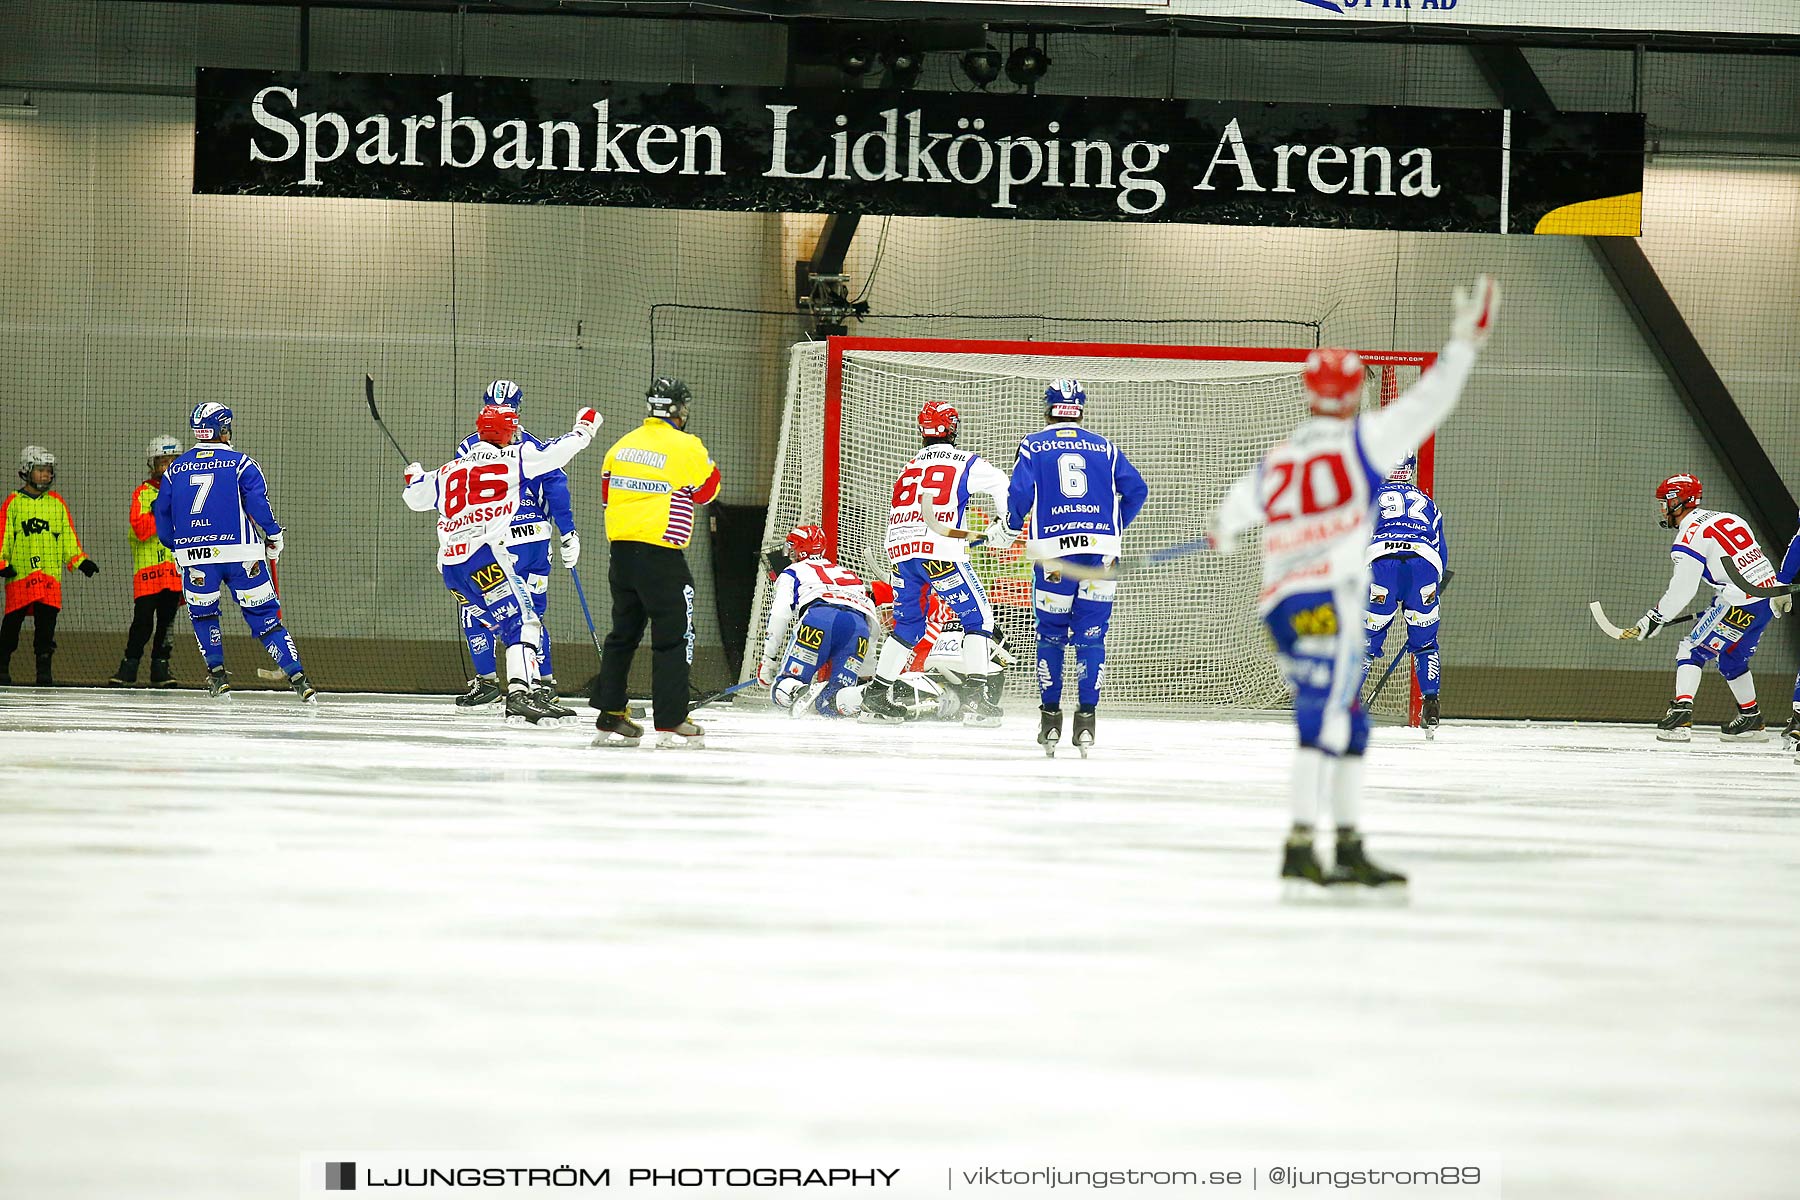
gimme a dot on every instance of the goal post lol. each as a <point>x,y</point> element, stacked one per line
<point>1191,418</point>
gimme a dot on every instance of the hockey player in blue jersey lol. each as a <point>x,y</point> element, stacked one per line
<point>545,500</point>
<point>1072,495</point>
<point>1781,606</point>
<point>213,514</point>
<point>1408,560</point>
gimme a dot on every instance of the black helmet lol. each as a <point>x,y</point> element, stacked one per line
<point>668,398</point>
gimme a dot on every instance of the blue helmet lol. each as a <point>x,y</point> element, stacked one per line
<point>1063,400</point>
<point>210,422</point>
<point>503,393</point>
<point>1406,470</point>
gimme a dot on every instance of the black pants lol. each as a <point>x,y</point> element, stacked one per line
<point>43,630</point>
<point>157,609</point>
<point>649,584</point>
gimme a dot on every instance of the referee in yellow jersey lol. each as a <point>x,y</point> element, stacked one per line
<point>654,477</point>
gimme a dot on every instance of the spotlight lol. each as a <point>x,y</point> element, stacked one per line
<point>904,62</point>
<point>1027,65</point>
<point>981,66</point>
<point>854,58</point>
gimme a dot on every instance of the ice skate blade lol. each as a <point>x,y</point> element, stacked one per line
<point>614,741</point>
<point>1389,895</point>
<point>972,721</point>
<point>1305,891</point>
<point>677,742</point>
<point>1674,735</point>
<point>869,718</point>
<point>1761,735</point>
<point>1431,733</point>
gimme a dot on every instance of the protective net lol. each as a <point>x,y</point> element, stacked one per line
<point>125,299</point>
<point>1191,419</point>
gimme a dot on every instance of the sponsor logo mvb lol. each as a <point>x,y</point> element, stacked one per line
<point>340,1177</point>
<point>1351,6</point>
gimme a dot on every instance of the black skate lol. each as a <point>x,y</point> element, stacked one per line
<point>484,690</point>
<point>1747,726</point>
<point>617,729</point>
<point>1084,730</point>
<point>1428,716</point>
<point>979,711</point>
<point>218,683</point>
<point>160,675</point>
<point>1791,735</point>
<point>879,707</point>
<point>1354,868</point>
<point>1302,876</point>
<point>545,694</point>
<point>686,735</point>
<point>126,675</point>
<point>1049,730</point>
<point>302,686</point>
<point>523,705</point>
<point>1677,725</point>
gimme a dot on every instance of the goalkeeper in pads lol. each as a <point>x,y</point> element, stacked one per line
<point>1313,493</point>
<point>1072,495</point>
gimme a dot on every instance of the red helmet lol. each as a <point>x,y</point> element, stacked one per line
<point>497,425</point>
<point>806,541</point>
<point>938,420</point>
<point>1334,377</point>
<point>1678,494</point>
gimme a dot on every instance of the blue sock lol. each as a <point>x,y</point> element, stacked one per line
<point>1050,671</point>
<point>1090,664</point>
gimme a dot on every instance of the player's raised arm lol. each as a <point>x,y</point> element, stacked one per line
<point>421,492</point>
<point>540,460</point>
<point>1390,434</point>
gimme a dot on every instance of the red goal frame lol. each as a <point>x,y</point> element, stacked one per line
<point>837,347</point>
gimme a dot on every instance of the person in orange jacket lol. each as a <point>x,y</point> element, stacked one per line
<point>37,540</point>
<point>156,580</point>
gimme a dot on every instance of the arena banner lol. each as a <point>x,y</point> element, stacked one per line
<point>499,140</point>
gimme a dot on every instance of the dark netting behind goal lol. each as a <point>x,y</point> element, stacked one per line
<point>127,299</point>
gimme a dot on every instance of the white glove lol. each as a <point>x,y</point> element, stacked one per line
<point>765,673</point>
<point>1475,310</point>
<point>1223,543</point>
<point>587,420</point>
<point>1780,605</point>
<point>273,545</point>
<point>414,473</point>
<point>571,548</point>
<point>999,537</point>
<point>1649,625</point>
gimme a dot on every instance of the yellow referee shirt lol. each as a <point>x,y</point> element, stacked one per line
<point>652,479</point>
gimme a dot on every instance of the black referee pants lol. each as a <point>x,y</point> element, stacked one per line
<point>650,585</point>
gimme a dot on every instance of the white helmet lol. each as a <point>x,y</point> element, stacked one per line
<point>161,446</point>
<point>36,456</point>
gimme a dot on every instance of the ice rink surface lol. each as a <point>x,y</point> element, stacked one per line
<point>239,935</point>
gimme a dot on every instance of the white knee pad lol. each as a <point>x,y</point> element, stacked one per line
<point>786,691</point>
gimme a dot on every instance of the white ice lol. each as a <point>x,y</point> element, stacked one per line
<point>238,935</point>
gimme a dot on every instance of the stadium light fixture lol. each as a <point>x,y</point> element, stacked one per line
<point>904,62</point>
<point>1026,65</point>
<point>854,58</point>
<point>981,66</point>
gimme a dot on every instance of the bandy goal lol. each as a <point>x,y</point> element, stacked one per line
<point>1191,418</point>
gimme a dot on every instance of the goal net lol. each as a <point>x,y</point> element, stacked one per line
<point>1191,418</point>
